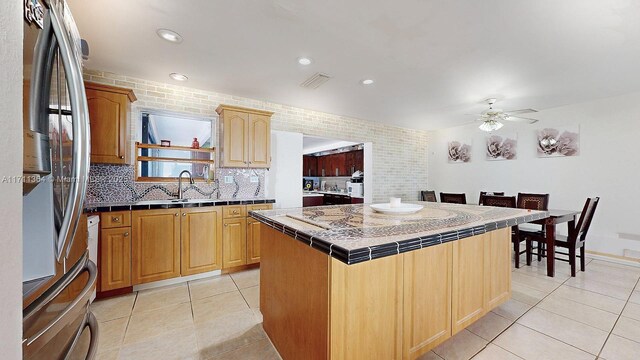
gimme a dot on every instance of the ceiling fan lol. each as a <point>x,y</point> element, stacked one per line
<point>492,118</point>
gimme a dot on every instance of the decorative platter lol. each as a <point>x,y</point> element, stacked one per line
<point>401,209</point>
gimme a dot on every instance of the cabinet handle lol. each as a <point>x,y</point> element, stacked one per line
<point>235,211</point>
<point>121,156</point>
<point>126,234</point>
<point>176,214</point>
<point>226,224</point>
<point>184,214</point>
<point>115,219</point>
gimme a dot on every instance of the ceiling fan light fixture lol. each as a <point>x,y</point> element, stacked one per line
<point>490,125</point>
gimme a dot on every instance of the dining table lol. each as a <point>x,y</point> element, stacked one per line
<point>555,217</point>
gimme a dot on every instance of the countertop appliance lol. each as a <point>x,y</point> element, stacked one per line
<point>355,189</point>
<point>307,184</point>
<point>58,276</point>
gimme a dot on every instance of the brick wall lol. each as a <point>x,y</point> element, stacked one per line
<point>399,155</point>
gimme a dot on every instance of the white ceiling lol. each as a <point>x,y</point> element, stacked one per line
<point>432,60</point>
<point>314,144</point>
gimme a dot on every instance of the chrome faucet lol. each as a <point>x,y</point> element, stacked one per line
<point>180,193</point>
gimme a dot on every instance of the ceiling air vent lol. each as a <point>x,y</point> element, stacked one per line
<point>315,81</point>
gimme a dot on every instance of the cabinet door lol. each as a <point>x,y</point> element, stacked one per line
<point>253,241</point>
<point>259,141</point>
<point>497,253</point>
<point>321,168</point>
<point>350,162</point>
<point>427,299</point>
<point>201,230</point>
<point>234,243</point>
<point>306,170</point>
<point>359,160</point>
<point>235,147</point>
<point>108,120</point>
<point>313,165</point>
<point>115,258</point>
<point>155,245</point>
<point>468,296</point>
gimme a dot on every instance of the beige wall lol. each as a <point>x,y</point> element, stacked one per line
<point>11,193</point>
<point>399,155</point>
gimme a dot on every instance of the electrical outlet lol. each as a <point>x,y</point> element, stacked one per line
<point>228,179</point>
<point>255,179</point>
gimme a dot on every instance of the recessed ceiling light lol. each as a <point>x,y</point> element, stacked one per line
<point>179,77</point>
<point>367,82</point>
<point>304,61</point>
<point>169,35</point>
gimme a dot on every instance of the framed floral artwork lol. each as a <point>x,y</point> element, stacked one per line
<point>558,142</point>
<point>502,147</point>
<point>459,152</point>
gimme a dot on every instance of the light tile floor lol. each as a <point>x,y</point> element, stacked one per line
<point>595,315</point>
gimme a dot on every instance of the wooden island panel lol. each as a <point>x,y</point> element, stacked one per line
<point>396,307</point>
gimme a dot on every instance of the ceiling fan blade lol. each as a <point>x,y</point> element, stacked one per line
<point>521,111</point>
<point>522,119</point>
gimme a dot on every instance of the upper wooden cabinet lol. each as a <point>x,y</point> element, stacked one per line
<point>340,164</point>
<point>109,108</point>
<point>245,137</point>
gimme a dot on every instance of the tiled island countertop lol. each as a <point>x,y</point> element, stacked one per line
<point>356,233</point>
<point>170,204</point>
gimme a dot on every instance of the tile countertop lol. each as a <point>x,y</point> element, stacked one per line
<point>355,233</point>
<point>169,204</point>
<point>319,193</point>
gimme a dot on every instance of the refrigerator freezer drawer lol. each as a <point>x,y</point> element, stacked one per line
<point>52,324</point>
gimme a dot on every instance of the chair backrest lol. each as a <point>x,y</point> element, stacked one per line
<point>585,218</point>
<point>500,201</point>
<point>453,198</point>
<point>533,201</point>
<point>428,195</point>
<point>483,193</point>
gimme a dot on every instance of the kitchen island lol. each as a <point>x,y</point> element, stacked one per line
<point>344,282</point>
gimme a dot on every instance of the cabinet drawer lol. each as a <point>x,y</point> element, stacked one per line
<point>234,211</point>
<point>115,219</point>
<point>257,207</point>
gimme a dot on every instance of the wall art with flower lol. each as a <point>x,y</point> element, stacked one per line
<point>502,147</point>
<point>555,142</point>
<point>459,152</point>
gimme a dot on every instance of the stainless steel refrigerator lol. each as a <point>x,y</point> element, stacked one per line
<point>58,277</point>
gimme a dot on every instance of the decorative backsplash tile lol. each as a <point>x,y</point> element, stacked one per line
<point>115,183</point>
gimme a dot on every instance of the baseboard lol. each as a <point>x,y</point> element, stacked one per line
<point>174,281</point>
<point>619,259</point>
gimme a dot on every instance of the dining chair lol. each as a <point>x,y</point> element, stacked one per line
<point>429,196</point>
<point>575,240</point>
<point>483,193</point>
<point>510,202</point>
<point>453,198</point>
<point>532,202</point>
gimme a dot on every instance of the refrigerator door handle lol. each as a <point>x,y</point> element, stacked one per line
<point>93,275</point>
<point>91,323</point>
<point>81,134</point>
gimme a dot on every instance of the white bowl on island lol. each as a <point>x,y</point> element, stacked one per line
<point>387,208</point>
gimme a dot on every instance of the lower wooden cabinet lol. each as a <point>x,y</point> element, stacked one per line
<point>253,241</point>
<point>427,299</point>
<point>481,276</point>
<point>201,235</point>
<point>234,242</point>
<point>155,245</point>
<point>115,258</point>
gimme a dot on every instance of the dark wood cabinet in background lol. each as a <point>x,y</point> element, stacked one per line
<point>310,166</point>
<point>342,164</point>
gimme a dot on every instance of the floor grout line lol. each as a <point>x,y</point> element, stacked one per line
<point>618,319</point>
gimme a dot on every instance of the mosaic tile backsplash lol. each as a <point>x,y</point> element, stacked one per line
<point>115,183</point>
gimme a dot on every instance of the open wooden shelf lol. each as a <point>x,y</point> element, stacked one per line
<point>180,160</point>
<point>181,148</point>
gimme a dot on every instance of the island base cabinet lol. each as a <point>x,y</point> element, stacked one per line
<point>201,230</point>
<point>396,307</point>
<point>155,245</point>
<point>427,299</point>
<point>481,276</point>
